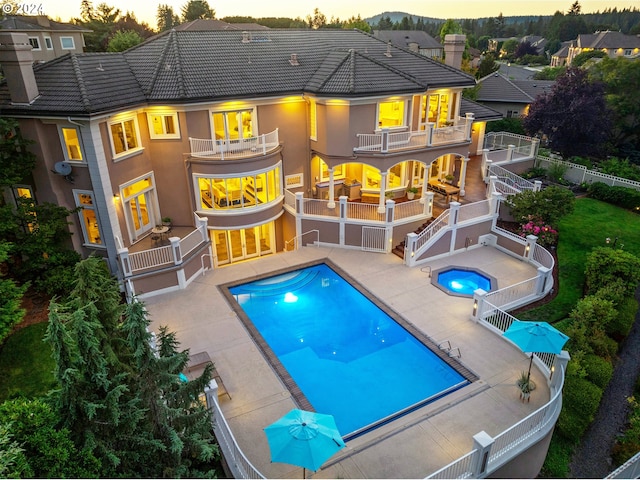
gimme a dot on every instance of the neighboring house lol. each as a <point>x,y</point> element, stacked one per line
<point>202,24</point>
<point>220,130</point>
<point>414,40</point>
<point>536,41</point>
<point>559,58</point>
<point>510,97</point>
<point>49,39</point>
<point>614,44</point>
<point>495,44</point>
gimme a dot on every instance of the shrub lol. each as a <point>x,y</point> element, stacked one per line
<point>620,327</point>
<point>556,172</point>
<point>620,168</point>
<point>535,172</point>
<point>548,205</point>
<point>621,196</point>
<point>606,265</point>
<point>598,370</point>
<point>629,443</point>
<point>547,236</point>
<point>579,405</point>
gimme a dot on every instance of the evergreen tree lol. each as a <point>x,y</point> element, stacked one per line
<point>166,18</point>
<point>196,9</point>
<point>120,401</point>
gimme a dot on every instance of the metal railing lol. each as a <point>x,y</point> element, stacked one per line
<point>434,227</point>
<point>510,178</point>
<point>149,259</point>
<point>229,149</point>
<point>295,239</point>
<point>513,293</point>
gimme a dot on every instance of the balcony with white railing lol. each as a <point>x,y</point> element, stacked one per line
<point>388,140</point>
<point>231,149</point>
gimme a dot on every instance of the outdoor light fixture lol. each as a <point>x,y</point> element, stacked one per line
<point>116,196</point>
<point>475,307</point>
<point>527,248</point>
<point>553,368</point>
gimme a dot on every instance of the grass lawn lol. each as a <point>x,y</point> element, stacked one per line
<point>587,227</point>
<point>26,365</point>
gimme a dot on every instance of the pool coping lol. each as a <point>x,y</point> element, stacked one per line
<point>434,279</point>
<point>296,392</point>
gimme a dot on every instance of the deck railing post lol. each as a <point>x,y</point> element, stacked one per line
<point>537,185</point>
<point>530,247</point>
<point>559,363</point>
<point>384,147</point>
<point>535,142</point>
<point>410,249</point>
<point>510,150</point>
<point>478,304</point>
<point>125,263</point>
<point>211,393</point>
<point>542,280</point>
<point>300,203</point>
<point>482,443</point>
<point>343,209</point>
<point>428,202</point>
<point>176,251</point>
<point>430,127</point>
<point>201,224</point>
<point>469,122</point>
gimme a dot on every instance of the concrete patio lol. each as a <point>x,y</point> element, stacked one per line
<point>412,446</point>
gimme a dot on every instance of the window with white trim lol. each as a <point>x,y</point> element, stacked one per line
<point>163,125</point>
<point>48,43</point>
<point>125,136</point>
<point>67,43</point>
<point>88,217</point>
<point>391,114</point>
<point>35,43</point>
<point>70,138</point>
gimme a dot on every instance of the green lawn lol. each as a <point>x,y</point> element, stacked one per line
<point>26,365</point>
<point>587,227</point>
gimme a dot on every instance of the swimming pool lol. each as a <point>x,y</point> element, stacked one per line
<point>340,352</point>
<point>462,281</point>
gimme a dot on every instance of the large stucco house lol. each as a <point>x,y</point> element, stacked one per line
<point>219,130</point>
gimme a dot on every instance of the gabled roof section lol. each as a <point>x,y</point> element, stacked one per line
<point>498,88</point>
<point>481,113</point>
<point>354,73</point>
<point>37,23</point>
<point>193,66</point>
<point>608,39</point>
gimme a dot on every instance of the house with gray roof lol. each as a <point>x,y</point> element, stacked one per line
<point>414,40</point>
<point>614,44</point>
<point>510,97</point>
<point>49,39</point>
<point>222,130</point>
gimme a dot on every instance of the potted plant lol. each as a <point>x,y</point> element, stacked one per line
<point>526,386</point>
<point>449,178</point>
<point>411,192</point>
<point>166,221</point>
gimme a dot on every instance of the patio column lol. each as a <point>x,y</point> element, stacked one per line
<point>478,304</point>
<point>332,202</point>
<point>530,247</point>
<point>383,183</point>
<point>463,174</point>
<point>482,443</point>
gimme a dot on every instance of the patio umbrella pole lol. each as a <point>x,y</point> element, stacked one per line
<point>529,372</point>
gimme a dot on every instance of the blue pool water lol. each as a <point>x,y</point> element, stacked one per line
<point>349,358</point>
<point>463,282</point>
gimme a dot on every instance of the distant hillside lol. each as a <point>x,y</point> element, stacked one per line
<point>398,16</point>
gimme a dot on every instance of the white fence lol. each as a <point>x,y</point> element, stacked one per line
<point>630,469</point>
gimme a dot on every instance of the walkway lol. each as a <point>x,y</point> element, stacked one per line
<point>593,457</point>
<point>410,447</point>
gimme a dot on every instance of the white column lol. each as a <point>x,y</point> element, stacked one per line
<point>428,203</point>
<point>510,150</point>
<point>463,174</point>
<point>410,249</point>
<point>530,247</point>
<point>382,198</point>
<point>332,202</point>
<point>175,249</point>
<point>482,443</point>
<point>478,304</point>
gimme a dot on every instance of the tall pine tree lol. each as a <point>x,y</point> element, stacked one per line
<point>120,398</point>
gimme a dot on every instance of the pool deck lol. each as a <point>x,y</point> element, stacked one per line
<point>412,446</point>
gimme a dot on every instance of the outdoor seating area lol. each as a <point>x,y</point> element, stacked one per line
<point>445,189</point>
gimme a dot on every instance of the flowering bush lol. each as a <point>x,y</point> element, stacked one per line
<point>547,236</point>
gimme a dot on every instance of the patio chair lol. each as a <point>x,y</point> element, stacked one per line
<point>197,363</point>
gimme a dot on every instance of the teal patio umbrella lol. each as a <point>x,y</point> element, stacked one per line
<point>535,337</point>
<point>305,439</point>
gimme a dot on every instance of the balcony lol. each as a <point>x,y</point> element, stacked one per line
<point>232,149</point>
<point>148,269</point>
<point>392,140</point>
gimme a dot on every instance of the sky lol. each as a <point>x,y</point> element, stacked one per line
<point>145,10</point>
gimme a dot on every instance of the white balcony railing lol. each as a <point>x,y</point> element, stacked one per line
<point>229,149</point>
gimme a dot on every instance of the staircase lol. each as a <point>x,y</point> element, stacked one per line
<point>399,249</point>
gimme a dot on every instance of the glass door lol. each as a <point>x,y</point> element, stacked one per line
<point>138,208</point>
<point>242,244</point>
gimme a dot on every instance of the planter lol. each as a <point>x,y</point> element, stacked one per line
<point>411,195</point>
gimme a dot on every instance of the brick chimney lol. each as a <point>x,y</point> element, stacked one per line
<point>17,63</point>
<point>453,47</point>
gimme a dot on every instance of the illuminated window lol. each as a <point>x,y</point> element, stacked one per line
<point>249,191</point>
<point>88,217</point>
<point>439,109</point>
<point>163,125</point>
<point>338,171</point>
<point>71,142</point>
<point>23,197</point>
<point>233,125</point>
<point>125,137</point>
<point>391,114</point>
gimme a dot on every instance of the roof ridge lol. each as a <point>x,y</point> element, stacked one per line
<point>521,90</point>
<point>81,85</point>
<point>180,78</point>
<point>386,66</point>
<point>156,71</point>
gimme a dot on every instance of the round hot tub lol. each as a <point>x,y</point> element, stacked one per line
<point>462,281</point>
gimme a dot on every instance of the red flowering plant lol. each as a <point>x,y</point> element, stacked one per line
<point>547,235</point>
